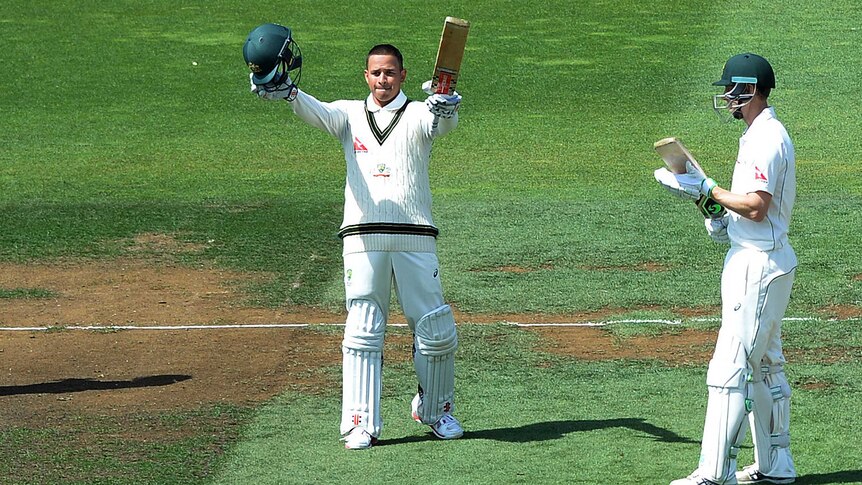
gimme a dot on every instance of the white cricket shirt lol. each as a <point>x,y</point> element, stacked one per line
<point>387,196</point>
<point>766,162</point>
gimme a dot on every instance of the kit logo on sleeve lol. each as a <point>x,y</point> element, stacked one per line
<point>759,175</point>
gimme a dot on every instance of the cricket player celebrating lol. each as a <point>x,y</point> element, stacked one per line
<point>388,234</point>
<point>746,370</point>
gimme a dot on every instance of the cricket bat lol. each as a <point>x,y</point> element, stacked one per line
<point>449,55</point>
<point>675,156</point>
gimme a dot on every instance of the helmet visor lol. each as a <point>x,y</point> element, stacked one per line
<point>734,97</point>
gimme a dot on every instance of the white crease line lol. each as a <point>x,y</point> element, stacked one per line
<point>305,325</point>
<point>179,327</point>
<point>595,324</point>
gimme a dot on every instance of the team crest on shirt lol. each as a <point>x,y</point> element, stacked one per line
<point>759,175</point>
<point>382,170</point>
<point>358,147</point>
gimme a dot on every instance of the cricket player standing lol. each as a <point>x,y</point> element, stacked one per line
<point>746,371</point>
<point>388,233</point>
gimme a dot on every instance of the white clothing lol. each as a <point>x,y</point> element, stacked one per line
<point>766,162</point>
<point>389,237</point>
<point>387,197</point>
<point>758,274</point>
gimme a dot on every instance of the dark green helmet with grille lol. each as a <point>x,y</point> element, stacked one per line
<point>272,55</point>
<point>747,68</point>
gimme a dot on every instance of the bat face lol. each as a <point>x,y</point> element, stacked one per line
<point>674,154</point>
<point>447,67</point>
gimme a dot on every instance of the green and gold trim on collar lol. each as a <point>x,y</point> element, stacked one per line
<point>382,135</point>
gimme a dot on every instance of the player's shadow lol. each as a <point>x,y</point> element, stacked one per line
<point>79,385</point>
<point>847,476</point>
<point>553,430</point>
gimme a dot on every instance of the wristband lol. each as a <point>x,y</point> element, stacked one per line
<point>710,185</point>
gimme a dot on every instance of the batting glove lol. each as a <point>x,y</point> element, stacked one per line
<point>442,105</point>
<point>284,90</point>
<point>717,229</point>
<point>695,182</point>
<point>670,181</point>
<point>426,86</point>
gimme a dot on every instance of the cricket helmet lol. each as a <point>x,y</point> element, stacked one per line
<point>272,54</point>
<point>739,73</point>
<point>747,68</point>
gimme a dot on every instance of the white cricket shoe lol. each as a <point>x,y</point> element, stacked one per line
<point>358,439</point>
<point>446,428</point>
<point>696,479</point>
<point>751,475</point>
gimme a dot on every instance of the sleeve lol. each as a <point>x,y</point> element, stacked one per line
<point>765,168</point>
<point>329,117</point>
<point>442,126</point>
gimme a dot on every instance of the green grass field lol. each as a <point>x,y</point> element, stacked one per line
<point>121,118</point>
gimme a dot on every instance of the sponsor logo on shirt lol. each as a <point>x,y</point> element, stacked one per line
<point>358,147</point>
<point>759,175</point>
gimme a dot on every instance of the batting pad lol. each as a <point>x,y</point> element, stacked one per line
<point>435,341</point>
<point>724,429</point>
<point>362,368</point>
<point>770,423</point>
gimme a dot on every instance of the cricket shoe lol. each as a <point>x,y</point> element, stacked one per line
<point>358,439</point>
<point>750,474</point>
<point>696,479</point>
<point>446,428</point>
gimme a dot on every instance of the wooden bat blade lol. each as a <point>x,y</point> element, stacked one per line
<point>450,53</point>
<point>675,154</point>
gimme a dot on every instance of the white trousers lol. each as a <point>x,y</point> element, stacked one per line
<point>370,276</point>
<point>368,282</point>
<point>755,292</point>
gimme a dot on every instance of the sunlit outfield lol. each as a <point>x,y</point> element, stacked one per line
<point>125,117</point>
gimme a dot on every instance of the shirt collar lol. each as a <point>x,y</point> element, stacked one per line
<point>393,105</point>
<point>767,114</point>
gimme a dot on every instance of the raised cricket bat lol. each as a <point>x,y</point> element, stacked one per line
<point>675,156</point>
<point>449,55</point>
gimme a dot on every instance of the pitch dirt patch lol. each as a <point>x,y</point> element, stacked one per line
<point>46,375</point>
<point>842,312</point>
<point>590,343</point>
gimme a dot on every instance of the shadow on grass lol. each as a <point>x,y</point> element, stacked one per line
<point>848,476</point>
<point>79,385</point>
<point>552,430</point>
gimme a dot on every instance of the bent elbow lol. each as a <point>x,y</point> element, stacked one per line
<point>757,215</point>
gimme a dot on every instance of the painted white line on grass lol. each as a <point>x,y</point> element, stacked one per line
<point>595,324</point>
<point>306,325</point>
<point>178,327</point>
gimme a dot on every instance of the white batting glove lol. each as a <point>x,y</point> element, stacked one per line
<point>670,182</point>
<point>694,181</point>
<point>284,90</point>
<point>717,229</point>
<point>442,105</point>
<point>426,87</point>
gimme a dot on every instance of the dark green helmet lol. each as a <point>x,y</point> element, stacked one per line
<point>271,54</point>
<point>747,69</point>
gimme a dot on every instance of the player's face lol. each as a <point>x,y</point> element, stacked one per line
<point>384,76</point>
